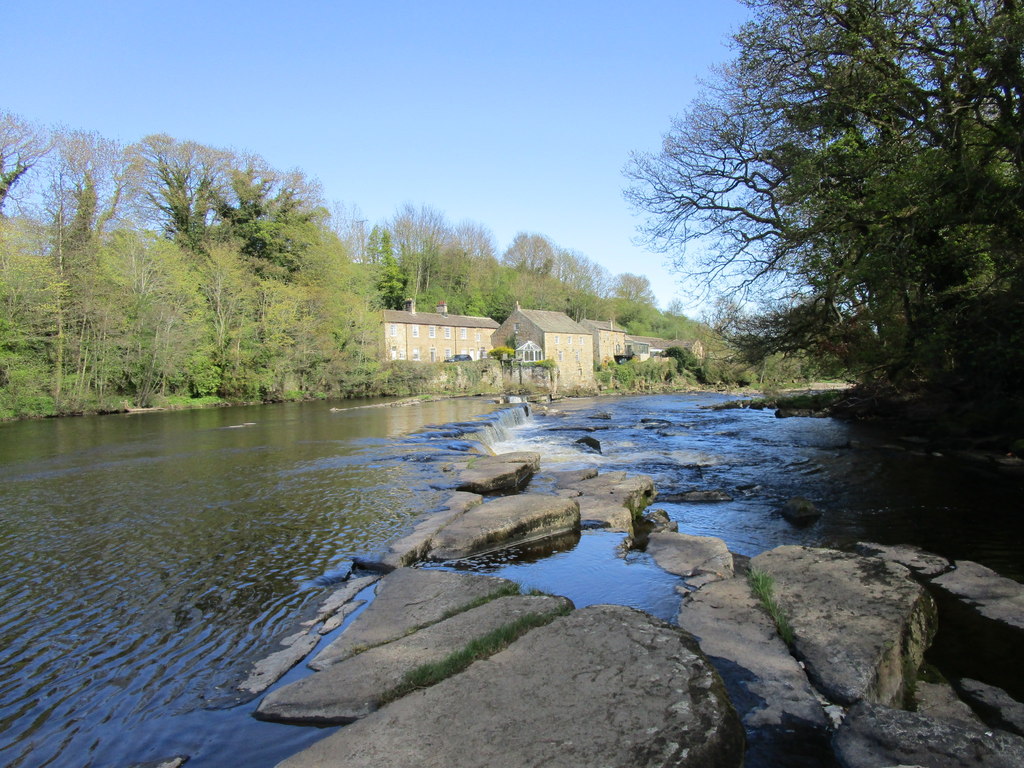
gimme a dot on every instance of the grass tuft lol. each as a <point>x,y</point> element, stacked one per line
<point>479,648</point>
<point>763,587</point>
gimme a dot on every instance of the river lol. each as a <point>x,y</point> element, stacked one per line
<point>150,558</point>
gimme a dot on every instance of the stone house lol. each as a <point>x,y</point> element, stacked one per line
<point>433,336</point>
<point>609,341</point>
<point>538,334</point>
<point>644,347</point>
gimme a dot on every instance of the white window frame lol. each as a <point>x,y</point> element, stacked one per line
<point>463,333</point>
<point>415,331</point>
<point>447,332</point>
<point>431,331</point>
<point>394,329</point>
<point>416,353</point>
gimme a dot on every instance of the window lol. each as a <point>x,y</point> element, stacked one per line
<point>481,352</point>
<point>415,353</point>
<point>558,339</point>
<point>577,355</point>
<point>478,337</point>
<point>431,331</point>
<point>401,354</point>
<point>529,352</point>
<point>415,331</point>
<point>447,332</point>
<point>515,327</point>
<point>394,353</point>
<point>568,340</point>
<point>559,355</point>
<point>447,352</point>
<point>581,341</point>
<point>394,329</point>
<point>433,355</point>
<point>463,333</point>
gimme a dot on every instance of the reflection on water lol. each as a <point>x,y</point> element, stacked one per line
<point>149,559</point>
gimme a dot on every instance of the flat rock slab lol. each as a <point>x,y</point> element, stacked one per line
<point>993,596</point>
<point>916,559</point>
<point>356,687</point>
<point>704,558</point>
<point>604,686</point>
<point>861,624</point>
<point>614,499</point>
<point>408,599</point>
<point>504,472</point>
<point>272,668</point>
<point>873,736</point>
<point>504,522</point>
<point>995,705</point>
<point>416,545</point>
<point>730,625</point>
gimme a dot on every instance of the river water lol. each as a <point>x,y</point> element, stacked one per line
<point>150,559</point>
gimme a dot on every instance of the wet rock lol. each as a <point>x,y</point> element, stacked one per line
<point>694,496</point>
<point>800,511</point>
<point>337,600</point>
<point>604,686</point>
<point>269,670</point>
<point>861,624</point>
<point>415,546</point>
<point>505,522</point>
<point>874,735</point>
<point>590,442</point>
<point>569,478</point>
<point>504,472</point>
<point>698,559</point>
<point>614,498</point>
<point>660,522</point>
<point>764,681</point>
<point>995,706</point>
<point>939,700</point>
<point>993,596</point>
<point>167,762</point>
<point>358,685</point>
<point>916,559</point>
<point>407,599</point>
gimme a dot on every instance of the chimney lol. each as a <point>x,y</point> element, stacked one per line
<point>410,306</point>
<point>442,308</point>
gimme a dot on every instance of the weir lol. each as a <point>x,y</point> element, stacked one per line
<point>481,433</point>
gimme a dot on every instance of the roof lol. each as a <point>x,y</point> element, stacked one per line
<point>657,343</point>
<point>601,325</point>
<point>435,318</point>
<point>554,322</point>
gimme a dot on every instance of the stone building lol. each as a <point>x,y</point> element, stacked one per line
<point>538,334</point>
<point>434,336</point>
<point>643,347</point>
<point>609,341</point>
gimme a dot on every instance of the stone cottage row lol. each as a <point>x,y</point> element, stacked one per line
<point>575,347</point>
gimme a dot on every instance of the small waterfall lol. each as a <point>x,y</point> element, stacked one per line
<point>482,432</point>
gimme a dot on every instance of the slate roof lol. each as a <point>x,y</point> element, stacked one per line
<point>657,343</point>
<point>435,318</point>
<point>554,322</point>
<point>601,325</point>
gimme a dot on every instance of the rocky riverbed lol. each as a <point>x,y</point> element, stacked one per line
<point>800,656</point>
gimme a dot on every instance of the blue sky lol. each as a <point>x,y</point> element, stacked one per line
<point>518,116</point>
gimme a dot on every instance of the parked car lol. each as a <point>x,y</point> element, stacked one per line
<point>458,359</point>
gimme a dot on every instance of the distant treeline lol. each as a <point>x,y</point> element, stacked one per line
<point>169,270</point>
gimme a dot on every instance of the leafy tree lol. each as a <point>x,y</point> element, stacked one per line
<point>863,163</point>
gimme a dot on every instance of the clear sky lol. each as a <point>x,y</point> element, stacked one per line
<point>516,115</point>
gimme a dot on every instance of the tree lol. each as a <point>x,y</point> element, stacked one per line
<point>22,145</point>
<point>863,162</point>
<point>183,183</point>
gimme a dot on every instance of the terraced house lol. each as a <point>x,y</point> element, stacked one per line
<point>538,334</point>
<point>434,336</point>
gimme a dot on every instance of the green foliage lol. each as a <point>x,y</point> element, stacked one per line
<point>763,587</point>
<point>499,352</point>
<point>861,163</point>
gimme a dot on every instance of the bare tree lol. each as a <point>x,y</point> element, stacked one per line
<point>22,145</point>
